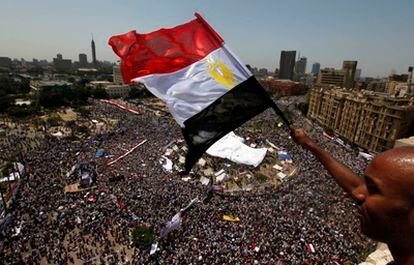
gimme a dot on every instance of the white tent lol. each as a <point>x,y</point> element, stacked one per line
<point>232,147</point>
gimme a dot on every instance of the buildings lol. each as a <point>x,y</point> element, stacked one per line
<point>331,76</point>
<point>113,90</point>
<point>280,87</point>
<point>287,64</point>
<point>396,85</point>
<point>261,73</point>
<point>300,67</point>
<point>349,67</point>
<point>358,74</point>
<point>116,70</point>
<point>83,60</point>
<point>344,77</point>
<point>377,86</point>
<point>368,119</point>
<point>5,62</point>
<point>62,65</point>
<point>315,68</point>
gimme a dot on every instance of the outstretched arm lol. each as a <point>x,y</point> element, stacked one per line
<point>343,175</point>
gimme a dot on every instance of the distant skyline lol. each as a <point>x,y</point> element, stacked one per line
<point>376,33</point>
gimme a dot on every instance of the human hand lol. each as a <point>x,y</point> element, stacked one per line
<point>300,137</point>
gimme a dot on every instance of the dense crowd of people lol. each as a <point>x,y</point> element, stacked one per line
<point>275,227</point>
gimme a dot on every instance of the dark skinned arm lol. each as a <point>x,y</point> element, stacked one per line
<point>343,175</point>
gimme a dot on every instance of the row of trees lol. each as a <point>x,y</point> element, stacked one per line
<point>10,85</point>
<point>9,88</point>
<point>75,96</point>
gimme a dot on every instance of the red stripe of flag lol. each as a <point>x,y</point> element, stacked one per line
<point>311,248</point>
<point>164,50</point>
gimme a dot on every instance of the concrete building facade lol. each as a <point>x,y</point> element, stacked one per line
<point>279,87</point>
<point>83,60</point>
<point>116,71</point>
<point>349,67</point>
<point>370,120</point>
<point>331,76</point>
<point>62,65</point>
<point>300,67</point>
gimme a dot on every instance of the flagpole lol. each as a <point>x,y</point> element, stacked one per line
<point>287,122</point>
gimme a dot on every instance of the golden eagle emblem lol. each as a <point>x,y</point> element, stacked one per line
<point>221,73</point>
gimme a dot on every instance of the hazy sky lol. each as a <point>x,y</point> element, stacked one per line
<point>379,34</point>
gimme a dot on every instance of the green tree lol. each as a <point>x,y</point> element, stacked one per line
<point>55,96</point>
<point>5,101</point>
<point>6,85</point>
<point>19,111</point>
<point>80,95</point>
<point>134,93</point>
<point>142,236</point>
<point>24,86</point>
<point>10,86</point>
<point>100,93</point>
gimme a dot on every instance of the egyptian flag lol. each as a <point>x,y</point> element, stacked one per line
<point>207,89</point>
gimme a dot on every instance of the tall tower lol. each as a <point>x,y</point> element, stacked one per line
<point>93,53</point>
<point>300,66</point>
<point>315,68</point>
<point>349,67</point>
<point>286,65</point>
<point>83,60</point>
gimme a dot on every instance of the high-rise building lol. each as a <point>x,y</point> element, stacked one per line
<point>410,79</point>
<point>315,68</point>
<point>93,54</point>
<point>358,74</point>
<point>287,64</point>
<point>330,76</point>
<point>349,68</point>
<point>116,70</point>
<point>83,60</point>
<point>300,67</point>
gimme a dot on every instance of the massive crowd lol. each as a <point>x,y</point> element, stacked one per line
<point>275,227</point>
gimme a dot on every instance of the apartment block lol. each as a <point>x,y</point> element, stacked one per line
<point>368,119</point>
